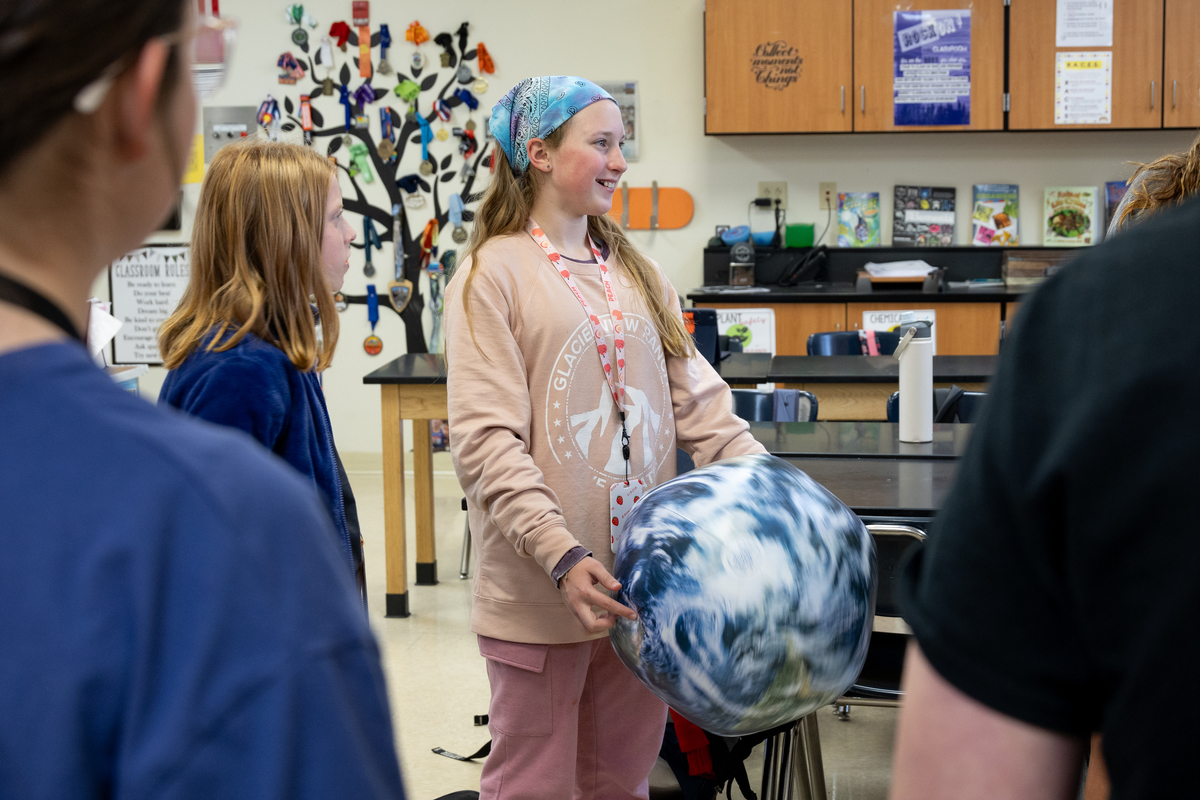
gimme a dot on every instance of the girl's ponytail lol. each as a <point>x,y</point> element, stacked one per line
<point>1169,181</point>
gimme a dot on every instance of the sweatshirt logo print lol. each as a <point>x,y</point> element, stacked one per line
<point>581,419</point>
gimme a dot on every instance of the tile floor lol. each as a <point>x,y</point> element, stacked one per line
<point>437,681</point>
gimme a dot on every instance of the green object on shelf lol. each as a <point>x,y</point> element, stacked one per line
<point>799,236</point>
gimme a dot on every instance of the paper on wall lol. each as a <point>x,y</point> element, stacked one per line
<point>753,327</point>
<point>1084,23</point>
<point>1083,88</point>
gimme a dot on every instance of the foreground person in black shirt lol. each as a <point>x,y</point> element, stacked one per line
<point>1059,593</point>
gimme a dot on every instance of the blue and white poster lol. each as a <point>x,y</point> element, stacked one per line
<point>932,78</point>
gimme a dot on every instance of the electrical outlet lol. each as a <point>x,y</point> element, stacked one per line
<point>826,196</point>
<point>774,190</point>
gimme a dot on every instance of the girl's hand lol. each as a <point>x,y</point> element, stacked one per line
<point>579,592</point>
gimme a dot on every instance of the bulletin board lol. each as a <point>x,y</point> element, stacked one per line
<point>145,286</point>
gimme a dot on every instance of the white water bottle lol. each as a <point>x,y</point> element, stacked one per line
<point>915,353</point>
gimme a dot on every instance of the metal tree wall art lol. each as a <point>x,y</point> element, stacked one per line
<point>386,117</point>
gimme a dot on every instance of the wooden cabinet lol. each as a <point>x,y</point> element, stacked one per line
<point>777,66</point>
<point>795,321</point>
<point>1181,64</point>
<point>963,329</point>
<point>874,63</point>
<point>1137,64</point>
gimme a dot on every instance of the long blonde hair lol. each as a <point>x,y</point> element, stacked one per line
<point>506,208</point>
<point>1169,181</point>
<point>256,257</point>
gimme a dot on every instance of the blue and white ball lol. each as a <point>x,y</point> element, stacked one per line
<point>755,592</point>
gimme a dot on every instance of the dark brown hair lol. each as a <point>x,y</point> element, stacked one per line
<point>1169,181</point>
<point>51,49</point>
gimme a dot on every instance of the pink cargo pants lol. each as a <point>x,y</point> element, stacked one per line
<point>567,721</point>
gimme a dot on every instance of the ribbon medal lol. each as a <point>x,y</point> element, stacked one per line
<point>372,344</point>
<point>370,239</point>
<point>385,41</point>
<point>417,34</point>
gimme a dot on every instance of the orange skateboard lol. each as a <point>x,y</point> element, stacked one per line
<point>648,208</point>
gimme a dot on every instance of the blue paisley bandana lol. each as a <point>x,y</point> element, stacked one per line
<point>534,108</point>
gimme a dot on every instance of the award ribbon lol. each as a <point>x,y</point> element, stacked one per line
<point>385,41</point>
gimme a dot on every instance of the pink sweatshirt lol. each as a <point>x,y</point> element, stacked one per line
<point>536,438</point>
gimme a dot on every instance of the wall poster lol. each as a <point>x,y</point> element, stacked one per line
<point>146,286</point>
<point>626,95</point>
<point>932,67</point>
<point>1083,23</point>
<point>753,327</point>
<point>1083,88</point>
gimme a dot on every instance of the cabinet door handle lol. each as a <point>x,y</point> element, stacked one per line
<point>862,98</point>
<point>837,326</point>
<point>843,99</point>
<point>1174,92</point>
<point>1151,95</point>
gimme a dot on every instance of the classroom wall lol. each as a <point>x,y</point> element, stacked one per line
<point>660,44</point>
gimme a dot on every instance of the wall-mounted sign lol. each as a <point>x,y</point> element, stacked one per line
<point>890,321</point>
<point>753,327</point>
<point>1083,88</point>
<point>626,95</point>
<point>776,64</point>
<point>932,67</point>
<point>1083,23</point>
<point>146,286</point>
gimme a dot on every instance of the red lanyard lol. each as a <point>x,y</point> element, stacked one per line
<point>616,383</point>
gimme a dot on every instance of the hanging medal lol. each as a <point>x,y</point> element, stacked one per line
<point>471,103</point>
<point>268,116</point>
<point>622,494</point>
<point>447,54</point>
<point>407,90</point>
<point>400,289</point>
<point>486,65</point>
<point>417,35</point>
<point>427,165</point>
<point>387,145</point>
<point>370,239</point>
<point>437,278</point>
<point>459,235</point>
<point>372,344</point>
<point>339,301</point>
<point>325,59</point>
<point>341,32</point>
<point>442,109</point>
<point>385,41</point>
<point>344,99</point>
<point>361,16</point>
<point>306,119</point>
<point>410,190</point>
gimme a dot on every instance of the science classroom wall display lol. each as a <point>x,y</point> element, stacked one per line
<point>145,286</point>
<point>414,129</point>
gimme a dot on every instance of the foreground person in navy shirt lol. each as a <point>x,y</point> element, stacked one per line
<point>175,618</point>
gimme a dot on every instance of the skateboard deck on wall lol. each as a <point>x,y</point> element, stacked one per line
<point>651,207</point>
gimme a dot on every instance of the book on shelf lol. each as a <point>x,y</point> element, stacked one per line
<point>994,215</point>
<point>858,219</point>
<point>1114,192</point>
<point>923,216</point>
<point>1069,216</point>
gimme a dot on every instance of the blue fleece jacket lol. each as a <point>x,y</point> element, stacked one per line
<point>254,387</point>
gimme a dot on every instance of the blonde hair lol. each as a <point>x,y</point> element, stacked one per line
<point>506,208</point>
<point>256,257</point>
<point>1169,181</point>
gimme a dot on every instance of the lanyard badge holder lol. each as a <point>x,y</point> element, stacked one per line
<point>622,495</point>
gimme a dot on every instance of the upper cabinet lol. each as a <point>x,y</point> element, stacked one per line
<point>1181,64</point>
<point>777,66</point>
<point>814,66</point>
<point>1038,69</point>
<point>894,68</point>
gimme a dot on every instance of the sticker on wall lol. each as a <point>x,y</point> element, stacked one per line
<point>1083,88</point>
<point>195,166</point>
<point>931,82</point>
<point>776,64</point>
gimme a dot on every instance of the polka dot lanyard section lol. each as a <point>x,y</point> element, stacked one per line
<point>616,382</point>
